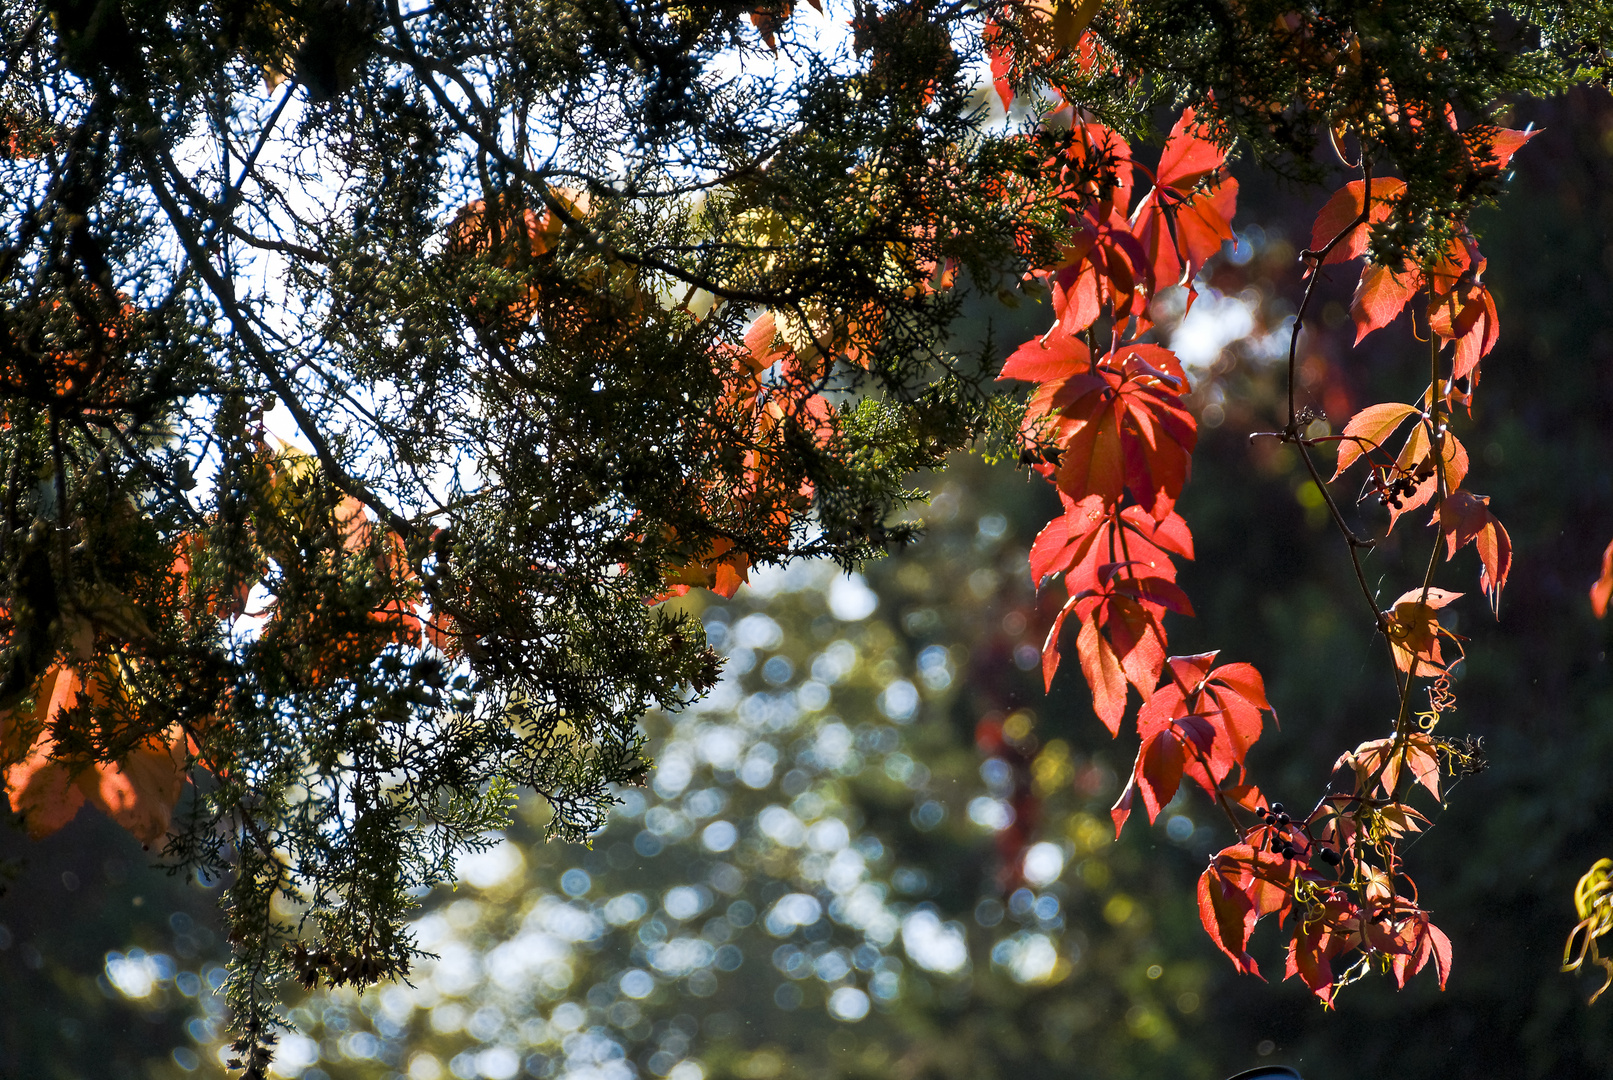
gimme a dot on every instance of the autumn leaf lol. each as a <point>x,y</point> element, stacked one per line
<point>1467,316</point>
<point>1229,699</point>
<point>1048,29</point>
<point>1119,426</point>
<point>1317,941</point>
<point>1465,518</point>
<point>1164,757</point>
<point>1241,886</point>
<point>1380,762</point>
<point>1103,265</point>
<point>1090,534</point>
<point>1055,357</point>
<point>1380,296</point>
<point>1184,219</point>
<point>1415,632</point>
<point>1099,664</point>
<point>1368,430</point>
<point>1415,463</point>
<point>1602,589</point>
<point>1120,633</point>
<point>1499,144</point>
<point>1344,208</point>
<point>1229,918</point>
<point>137,790</point>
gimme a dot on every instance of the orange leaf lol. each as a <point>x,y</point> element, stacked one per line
<point>1415,460</point>
<point>1415,632</point>
<point>1380,296</point>
<point>1368,430</point>
<point>139,790</point>
<point>1465,518</point>
<point>1602,590</point>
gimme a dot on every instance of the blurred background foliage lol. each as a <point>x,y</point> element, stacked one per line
<point>878,849</point>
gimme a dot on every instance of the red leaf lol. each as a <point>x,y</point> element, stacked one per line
<point>1203,222</point>
<point>1503,144</point>
<point>1380,296</point>
<point>1158,770</point>
<point>1184,219</point>
<point>1093,462</point>
<point>1465,518</point>
<point>138,790</point>
<point>1228,917</point>
<point>1229,700</point>
<point>1044,359</point>
<point>1089,535</point>
<point>1602,590</point>
<point>1345,207</point>
<point>1316,942</point>
<point>1188,157</point>
<point>1121,425</point>
<point>1104,675</point>
<point>1121,810</point>
<point>1442,953</point>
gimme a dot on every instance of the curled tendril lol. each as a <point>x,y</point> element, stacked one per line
<point>1593,898</point>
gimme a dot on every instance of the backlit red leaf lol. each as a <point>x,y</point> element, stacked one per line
<point>1344,208</point>
<point>1380,296</point>
<point>1465,518</point>
<point>1368,430</point>
<point>1602,589</point>
<point>1104,675</point>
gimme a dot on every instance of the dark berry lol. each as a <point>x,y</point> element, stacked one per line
<point>1330,857</point>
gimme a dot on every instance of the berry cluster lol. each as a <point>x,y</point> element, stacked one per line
<point>1393,492</point>
<point>1279,821</point>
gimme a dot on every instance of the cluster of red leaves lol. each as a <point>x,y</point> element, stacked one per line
<point>1460,309</point>
<point>1110,431</point>
<point>1120,255</point>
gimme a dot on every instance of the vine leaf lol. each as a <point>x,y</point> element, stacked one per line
<point>1230,699</point>
<point>1345,207</point>
<point>1415,632</point>
<point>1602,589</point>
<point>138,790</point>
<point>1380,296</point>
<point>1090,535</point>
<point>1368,430</point>
<point>1383,760</point>
<point>1164,758</point>
<point>1184,219</point>
<point>1465,518</point>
